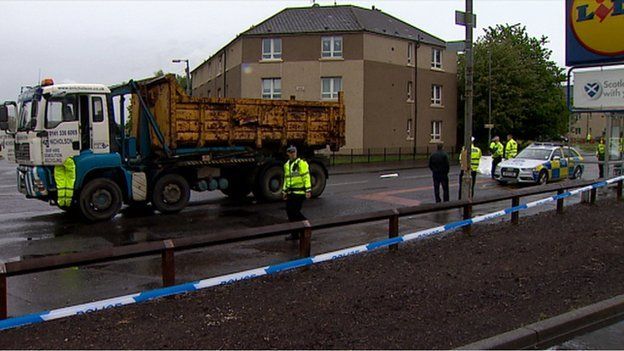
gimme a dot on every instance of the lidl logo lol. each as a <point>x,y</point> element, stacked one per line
<point>598,25</point>
<point>593,90</point>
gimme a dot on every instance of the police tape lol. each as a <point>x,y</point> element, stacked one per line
<point>267,270</point>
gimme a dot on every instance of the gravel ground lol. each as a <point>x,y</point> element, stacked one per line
<point>435,294</point>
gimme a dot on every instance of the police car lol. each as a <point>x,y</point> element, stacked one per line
<point>540,163</point>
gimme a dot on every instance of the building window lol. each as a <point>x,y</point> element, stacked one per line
<point>271,88</point>
<point>330,87</point>
<point>436,131</point>
<point>331,47</point>
<point>219,95</point>
<point>436,58</point>
<point>436,95</point>
<point>220,68</point>
<point>208,94</point>
<point>410,90</point>
<point>410,53</point>
<point>271,49</point>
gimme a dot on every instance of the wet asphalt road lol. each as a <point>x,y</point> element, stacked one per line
<point>31,228</point>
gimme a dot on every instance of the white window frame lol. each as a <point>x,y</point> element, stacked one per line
<point>410,91</point>
<point>410,53</point>
<point>220,66</point>
<point>332,53</point>
<point>436,60</point>
<point>272,54</point>
<point>436,131</point>
<point>272,93</point>
<point>332,94</point>
<point>436,95</point>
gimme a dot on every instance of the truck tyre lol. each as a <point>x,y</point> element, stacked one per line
<point>269,184</point>
<point>100,200</point>
<point>318,179</point>
<point>171,193</point>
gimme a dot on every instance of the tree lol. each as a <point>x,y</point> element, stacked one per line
<point>527,95</point>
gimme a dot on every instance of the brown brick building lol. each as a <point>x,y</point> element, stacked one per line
<point>400,83</point>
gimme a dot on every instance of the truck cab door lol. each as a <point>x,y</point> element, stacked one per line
<point>100,143</point>
<point>8,126</point>
<point>61,137</point>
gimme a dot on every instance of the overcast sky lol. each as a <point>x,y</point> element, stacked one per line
<point>113,41</point>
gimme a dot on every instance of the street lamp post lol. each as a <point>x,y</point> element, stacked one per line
<point>466,179</point>
<point>188,74</point>
<point>490,95</point>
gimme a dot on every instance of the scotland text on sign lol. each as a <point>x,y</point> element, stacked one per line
<point>599,89</point>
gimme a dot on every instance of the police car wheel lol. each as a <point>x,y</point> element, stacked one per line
<point>578,173</point>
<point>542,178</point>
<point>100,200</point>
<point>171,193</point>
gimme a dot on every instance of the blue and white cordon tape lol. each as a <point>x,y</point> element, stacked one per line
<point>258,272</point>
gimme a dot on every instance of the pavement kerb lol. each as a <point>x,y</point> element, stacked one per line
<point>550,332</point>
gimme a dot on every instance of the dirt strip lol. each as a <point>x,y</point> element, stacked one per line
<point>438,293</point>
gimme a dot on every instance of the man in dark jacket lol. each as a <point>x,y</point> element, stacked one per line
<point>439,166</point>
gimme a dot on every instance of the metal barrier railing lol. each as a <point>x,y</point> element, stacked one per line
<point>167,248</point>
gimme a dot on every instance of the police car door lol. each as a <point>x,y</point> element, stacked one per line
<point>558,165</point>
<point>61,138</point>
<point>8,117</point>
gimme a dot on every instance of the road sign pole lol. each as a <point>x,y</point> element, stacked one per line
<point>467,179</point>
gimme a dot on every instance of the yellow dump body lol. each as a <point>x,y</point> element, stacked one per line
<point>188,122</point>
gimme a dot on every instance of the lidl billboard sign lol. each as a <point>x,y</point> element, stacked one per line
<point>594,32</point>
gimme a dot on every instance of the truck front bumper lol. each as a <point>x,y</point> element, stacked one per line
<point>31,182</point>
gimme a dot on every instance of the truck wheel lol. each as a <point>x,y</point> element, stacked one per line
<point>100,200</point>
<point>171,193</point>
<point>269,184</point>
<point>318,179</point>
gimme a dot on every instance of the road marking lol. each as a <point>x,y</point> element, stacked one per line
<point>392,198</point>
<point>348,183</point>
<point>390,175</point>
<point>8,186</point>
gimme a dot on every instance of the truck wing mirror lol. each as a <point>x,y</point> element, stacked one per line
<point>4,117</point>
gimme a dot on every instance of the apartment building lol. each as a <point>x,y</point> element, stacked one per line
<point>399,82</point>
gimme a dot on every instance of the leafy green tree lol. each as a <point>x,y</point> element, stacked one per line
<point>527,93</point>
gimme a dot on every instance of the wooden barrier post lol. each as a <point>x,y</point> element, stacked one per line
<point>168,264</point>
<point>393,228</point>
<point>468,215</point>
<point>4,294</point>
<point>592,196</point>
<point>559,202</point>
<point>619,190</point>
<point>305,238</point>
<point>515,216</point>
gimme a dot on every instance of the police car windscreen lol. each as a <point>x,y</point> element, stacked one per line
<point>535,154</point>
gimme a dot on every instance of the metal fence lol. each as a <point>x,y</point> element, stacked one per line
<point>385,154</point>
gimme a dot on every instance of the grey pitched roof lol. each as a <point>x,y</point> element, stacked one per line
<point>343,18</point>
